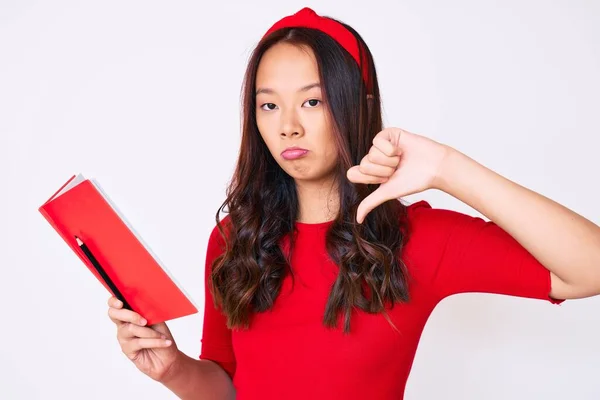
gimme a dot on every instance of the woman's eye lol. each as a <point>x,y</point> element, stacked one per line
<point>270,106</point>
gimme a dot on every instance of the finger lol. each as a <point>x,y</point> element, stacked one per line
<point>369,203</point>
<point>376,156</point>
<point>129,330</point>
<point>162,328</point>
<point>114,302</point>
<point>135,345</point>
<point>386,146</point>
<point>368,168</point>
<point>354,175</point>
<point>121,315</point>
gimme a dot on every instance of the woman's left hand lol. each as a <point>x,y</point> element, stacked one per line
<point>402,162</point>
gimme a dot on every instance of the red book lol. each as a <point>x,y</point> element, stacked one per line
<point>88,221</point>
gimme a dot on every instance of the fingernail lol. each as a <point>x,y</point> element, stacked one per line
<point>142,321</point>
<point>168,342</point>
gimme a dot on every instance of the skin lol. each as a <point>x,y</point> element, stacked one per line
<point>405,163</point>
<point>564,242</point>
<point>289,115</point>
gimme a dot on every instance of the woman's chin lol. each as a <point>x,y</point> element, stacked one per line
<point>307,176</point>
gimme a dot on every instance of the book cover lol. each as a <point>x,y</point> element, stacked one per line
<point>81,209</point>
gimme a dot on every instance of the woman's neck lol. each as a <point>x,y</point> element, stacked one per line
<point>317,201</point>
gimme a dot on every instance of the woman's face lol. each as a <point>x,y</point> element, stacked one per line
<point>291,114</point>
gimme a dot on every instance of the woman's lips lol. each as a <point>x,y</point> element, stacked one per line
<point>293,153</point>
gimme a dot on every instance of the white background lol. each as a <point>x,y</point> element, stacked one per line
<point>144,96</point>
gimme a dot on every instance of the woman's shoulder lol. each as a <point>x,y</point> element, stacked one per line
<point>434,233</point>
<point>422,217</point>
<point>218,233</point>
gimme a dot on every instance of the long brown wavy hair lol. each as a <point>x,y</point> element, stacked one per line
<point>262,202</point>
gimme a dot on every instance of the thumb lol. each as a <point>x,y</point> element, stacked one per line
<point>370,202</point>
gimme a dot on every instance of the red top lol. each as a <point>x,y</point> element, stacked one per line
<point>288,354</point>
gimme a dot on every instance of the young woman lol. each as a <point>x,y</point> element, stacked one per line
<point>319,281</point>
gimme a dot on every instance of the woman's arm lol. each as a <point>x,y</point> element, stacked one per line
<point>198,379</point>
<point>566,243</point>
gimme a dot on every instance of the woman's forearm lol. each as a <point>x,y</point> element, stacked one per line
<point>196,379</point>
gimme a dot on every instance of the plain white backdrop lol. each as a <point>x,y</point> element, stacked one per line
<point>144,96</point>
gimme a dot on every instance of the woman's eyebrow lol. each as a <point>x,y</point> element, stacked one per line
<point>302,89</point>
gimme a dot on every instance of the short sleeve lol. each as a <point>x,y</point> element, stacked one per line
<point>216,336</point>
<point>459,253</point>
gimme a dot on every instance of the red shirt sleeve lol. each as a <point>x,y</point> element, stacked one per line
<point>458,253</point>
<point>216,336</point>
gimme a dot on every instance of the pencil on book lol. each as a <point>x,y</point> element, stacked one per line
<point>102,273</point>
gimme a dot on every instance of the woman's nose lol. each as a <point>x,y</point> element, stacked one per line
<point>290,125</point>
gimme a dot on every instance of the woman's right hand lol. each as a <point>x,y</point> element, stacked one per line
<point>152,349</point>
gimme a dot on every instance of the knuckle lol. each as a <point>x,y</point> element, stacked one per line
<point>120,333</point>
<point>130,316</point>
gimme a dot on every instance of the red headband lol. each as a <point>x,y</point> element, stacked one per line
<point>307,18</point>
